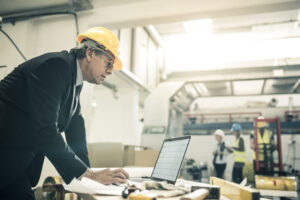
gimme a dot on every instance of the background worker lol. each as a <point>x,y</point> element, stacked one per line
<point>220,154</point>
<point>239,153</point>
<point>265,143</point>
<point>39,100</point>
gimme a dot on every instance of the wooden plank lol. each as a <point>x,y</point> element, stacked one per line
<point>278,193</point>
<point>235,191</point>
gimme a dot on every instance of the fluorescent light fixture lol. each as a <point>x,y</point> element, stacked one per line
<point>278,72</point>
<point>247,87</point>
<point>201,25</point>
<point>201,87</point>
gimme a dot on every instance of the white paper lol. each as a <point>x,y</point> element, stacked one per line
<point>89,186</point>
<point>134,172</point>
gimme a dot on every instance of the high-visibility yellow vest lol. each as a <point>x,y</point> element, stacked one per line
<point>262,140</point>
<point>239,156</point>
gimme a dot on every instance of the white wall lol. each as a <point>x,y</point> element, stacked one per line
<point>125,47</point>
<point>140,54</point>
<point>115,120</point>
<point>152,64</point>
<point>9,55</point>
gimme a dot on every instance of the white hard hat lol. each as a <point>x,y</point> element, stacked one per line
<point>219,132</point>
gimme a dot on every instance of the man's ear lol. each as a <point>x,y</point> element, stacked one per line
<point>88,54</point>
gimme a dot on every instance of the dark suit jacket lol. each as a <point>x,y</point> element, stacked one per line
<point>35,104</point>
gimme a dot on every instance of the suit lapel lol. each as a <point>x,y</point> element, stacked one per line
<point>71,98</point>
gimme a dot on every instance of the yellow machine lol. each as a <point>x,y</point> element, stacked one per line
<point>276,183</point>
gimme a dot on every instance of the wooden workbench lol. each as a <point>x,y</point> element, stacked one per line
<point>61,192</point>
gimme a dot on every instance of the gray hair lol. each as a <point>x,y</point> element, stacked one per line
<point>80,51</point>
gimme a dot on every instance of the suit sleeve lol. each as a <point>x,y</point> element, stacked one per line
<point>76,136</point>
<point>47,83</point>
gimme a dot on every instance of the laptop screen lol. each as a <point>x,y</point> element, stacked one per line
<point>170,158</point>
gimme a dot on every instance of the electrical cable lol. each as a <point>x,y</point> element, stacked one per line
<point>76,22</point>
<point>54,13</point>
<point>11,40</point>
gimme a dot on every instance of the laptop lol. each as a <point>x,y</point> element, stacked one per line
<point>169,160</point>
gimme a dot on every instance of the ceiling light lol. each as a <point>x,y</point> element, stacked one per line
<point>94,104</point>
<point>278,72</point>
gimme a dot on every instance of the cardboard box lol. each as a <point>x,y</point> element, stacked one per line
<point>146,158</point>
<point>105,154</point>
<point>128,155</point>
<point>116,155</point>
<point>139,156</point>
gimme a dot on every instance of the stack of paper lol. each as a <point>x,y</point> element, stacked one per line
<point>89,186</point>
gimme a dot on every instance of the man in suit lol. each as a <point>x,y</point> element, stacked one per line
<point>39,100</point>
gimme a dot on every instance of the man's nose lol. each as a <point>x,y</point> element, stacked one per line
<point>109,71</point>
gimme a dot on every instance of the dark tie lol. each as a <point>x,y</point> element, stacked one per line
<point>77,95</point>
<point>78,90</point>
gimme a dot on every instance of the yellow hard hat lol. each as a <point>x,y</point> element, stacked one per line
<point>261,124</point>
<point>106,38</point>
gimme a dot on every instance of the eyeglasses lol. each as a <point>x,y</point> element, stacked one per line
<point>110,62</point>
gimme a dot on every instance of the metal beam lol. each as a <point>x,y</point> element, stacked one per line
<point>263,87</point>
<point>287,91</point>
<point>246,79</point>
<point>197,91</point>
<point>154,35</point>
<point>213,14</point>
<point>264,72</point>
<point>187,93</point>
<point>231,88</point>
<point>295,87</point>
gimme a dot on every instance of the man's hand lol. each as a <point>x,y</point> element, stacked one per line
<point>107,176</point>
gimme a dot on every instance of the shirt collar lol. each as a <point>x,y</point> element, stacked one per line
<point>79,79</point>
